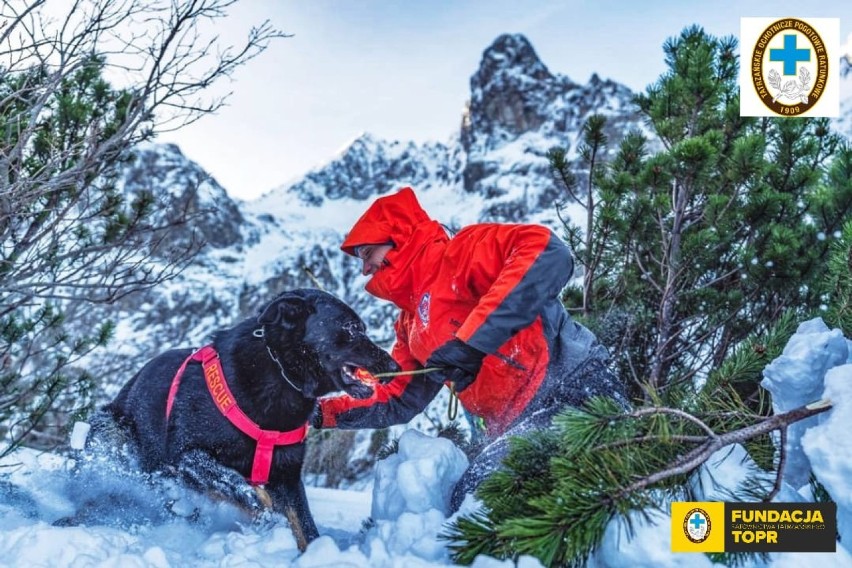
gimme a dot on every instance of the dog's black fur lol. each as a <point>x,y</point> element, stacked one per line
<point>312,334</point>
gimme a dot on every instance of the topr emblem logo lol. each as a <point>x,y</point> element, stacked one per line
<point>423,308</point>
<point>696,525</point>
<point>788,66</point>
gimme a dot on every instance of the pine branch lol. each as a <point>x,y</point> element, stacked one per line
<point>698,456</point>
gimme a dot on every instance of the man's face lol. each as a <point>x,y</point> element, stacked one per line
<point>372,256</point>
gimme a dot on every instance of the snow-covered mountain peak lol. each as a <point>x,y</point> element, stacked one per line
<point>510,54</point>
<point>182,188</point>
<point>366,167</point>
<point>510,94</point>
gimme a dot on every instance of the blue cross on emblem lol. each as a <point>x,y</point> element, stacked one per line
<point>790,55</point>
<point>696,521</point>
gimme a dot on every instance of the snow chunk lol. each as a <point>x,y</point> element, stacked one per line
<point>324,552</point>
<point>419,477</point>
<point>483,561</point>
<point>795,379</point>
<point>415,534</point>
<point>828,446</point>
<point>79,435</point>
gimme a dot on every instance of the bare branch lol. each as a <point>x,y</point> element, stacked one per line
<point>652,438</point>
<point>78,91</point>
<point>782,463</point>
<point>649,411</point>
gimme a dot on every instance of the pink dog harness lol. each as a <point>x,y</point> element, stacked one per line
<point>227,405</point>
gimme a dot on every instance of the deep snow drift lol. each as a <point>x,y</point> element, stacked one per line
<point>397,522</point>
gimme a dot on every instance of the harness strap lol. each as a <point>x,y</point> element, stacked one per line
<point>227,405</point>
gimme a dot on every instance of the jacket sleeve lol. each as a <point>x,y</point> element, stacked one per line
<point>395,402</point>
<point>525,267</point>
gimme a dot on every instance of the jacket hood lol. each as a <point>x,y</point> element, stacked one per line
<point>389,219</point>
<point>418,244</point>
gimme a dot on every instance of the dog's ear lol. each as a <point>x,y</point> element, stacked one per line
<point>287,311</point>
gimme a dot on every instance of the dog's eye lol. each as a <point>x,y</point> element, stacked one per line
<point>354,328</point>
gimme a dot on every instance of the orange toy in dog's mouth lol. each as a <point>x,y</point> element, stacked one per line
<point>359,382</point>
<point>365,377</point>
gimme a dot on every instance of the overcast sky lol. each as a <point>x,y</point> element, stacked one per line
<point>400,69</point>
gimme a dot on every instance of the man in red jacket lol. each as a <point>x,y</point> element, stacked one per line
<point>483,306</point>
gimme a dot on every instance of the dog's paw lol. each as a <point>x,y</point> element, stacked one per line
<point>249,498</point>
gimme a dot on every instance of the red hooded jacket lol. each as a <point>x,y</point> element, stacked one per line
<point>493,286</point>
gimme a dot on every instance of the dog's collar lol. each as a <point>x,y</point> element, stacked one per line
<point>266,440</point>
<point>261,334</point>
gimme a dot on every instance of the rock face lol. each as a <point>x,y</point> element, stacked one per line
<point>511,94</point>
<point>184,189</point>
<point>518,110</point>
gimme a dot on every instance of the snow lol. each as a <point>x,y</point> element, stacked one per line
<point>404,532</point>
<point>399,522</point>
<point>790,378</point>
<point>830,438</point>
<point>419,477</point>
<point>79,435</point>
<point>650,548</point>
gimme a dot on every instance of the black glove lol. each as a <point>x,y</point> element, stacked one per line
<point>459,362</point>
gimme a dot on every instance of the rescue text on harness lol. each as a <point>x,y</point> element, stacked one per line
<point>227,405</point>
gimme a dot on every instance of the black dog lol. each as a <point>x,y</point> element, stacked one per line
<point>304,344</point>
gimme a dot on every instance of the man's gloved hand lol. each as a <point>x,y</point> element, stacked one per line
<point>459,361</point>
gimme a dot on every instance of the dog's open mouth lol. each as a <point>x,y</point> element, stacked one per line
<point>358,381</point>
